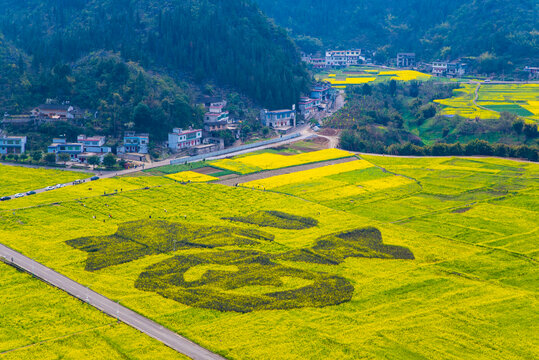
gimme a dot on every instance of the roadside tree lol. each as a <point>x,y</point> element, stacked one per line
<point>50,158</point>
<point>109,161</point>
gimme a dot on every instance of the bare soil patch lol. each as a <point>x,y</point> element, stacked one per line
<point>329,132</point>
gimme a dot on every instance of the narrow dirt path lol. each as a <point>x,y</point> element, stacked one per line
<point>284,171</point>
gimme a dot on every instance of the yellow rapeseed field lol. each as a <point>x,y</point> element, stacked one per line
<point>350,81</point>
<point>308,175</point>
<point>41,322</point>
<point>406,75</point>
<point>14,179</point>
<point>270,161</point>
<point>191,176</point>
<point>469,292</point>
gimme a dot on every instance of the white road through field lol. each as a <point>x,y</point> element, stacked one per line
<point>108,306</point>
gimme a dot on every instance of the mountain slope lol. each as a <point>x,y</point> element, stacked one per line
<point>432,28</point>
<point>228,41</point>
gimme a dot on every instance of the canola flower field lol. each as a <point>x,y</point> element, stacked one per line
<point>270,161</point>
<point>191,176</point>
<point>15,179</point>
<point>363,76</point>
<point>40,322</point>
<point>410,258</point>
<point>519,99</point>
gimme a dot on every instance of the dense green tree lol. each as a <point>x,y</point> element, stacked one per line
<point>226,41</point>
<point>63,157</point>
<point>94,160</point>
<point>434,29</point>
<point>109,161</point>
<point>50,158</point>
<point>37,155</point>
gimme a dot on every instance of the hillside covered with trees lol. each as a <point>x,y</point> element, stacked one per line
<point>106,55</point>
<point>505,30</point>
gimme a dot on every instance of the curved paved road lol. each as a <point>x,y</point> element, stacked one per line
<point>109,307</point>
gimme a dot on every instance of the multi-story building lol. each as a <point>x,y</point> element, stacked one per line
<point>216,118</point>
<point>12,144</point>
<point>453,68</point>
<point>94,144</point>
<point>278,118</point>
<point>456,68</point>
<point>321,92</point>
<point>318,63</point>
<point>180,139</point>
<point>439,68</point>
<point>61,146</point>
<point>406,60</point>
<point>342,58</point>
<point>135,143</point>
<point>308,106</point>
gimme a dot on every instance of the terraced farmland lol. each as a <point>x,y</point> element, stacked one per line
<point>390,258</point>
<point>519,99</point>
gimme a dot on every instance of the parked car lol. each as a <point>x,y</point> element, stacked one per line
<point>5,198</point>
<point>76,182</point>
<point>57,186</point>
<point>50,188</point>
<point>31,193</point>
<point>19,195</point>
<point>93,178</point>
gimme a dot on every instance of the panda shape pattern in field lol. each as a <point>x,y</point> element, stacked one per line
<point>238,280</point>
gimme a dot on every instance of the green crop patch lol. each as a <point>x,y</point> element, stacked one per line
<point>256,283</point>
<point>276,219</point>
<point>335,248</point>
<point>245,281</point>
<point>136,239</point>
<point>511,108</point>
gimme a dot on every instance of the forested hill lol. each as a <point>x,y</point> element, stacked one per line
<point>228,41</point>
<point>432,28</point>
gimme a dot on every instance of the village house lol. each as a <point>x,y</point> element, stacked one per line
<point>406,60</point>
<point>134,143</point>
<point>456,68</point>
<point>56,112</point>
<point>12,144</point>
<point>445,68</point>
<point>532,71</point>
<point>279,119</point>
<point>216,118</point>
<point>180,139</point>
<point>439,68</point>
<point>208,145</point>
<point>321,92</point>
<point>334,58</point>
<point>342,58</point>
<point>94,144</point>
<point>307,106</point>
<point>61,146</point>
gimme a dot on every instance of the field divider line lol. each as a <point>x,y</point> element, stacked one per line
<point>283,171</point>
<point>60,337</point>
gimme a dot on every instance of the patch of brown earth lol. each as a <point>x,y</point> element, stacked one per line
<point>207,170</point>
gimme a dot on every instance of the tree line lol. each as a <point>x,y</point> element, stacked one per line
<point>352,142</point>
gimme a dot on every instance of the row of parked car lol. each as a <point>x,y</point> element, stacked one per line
<point>48,188</point>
